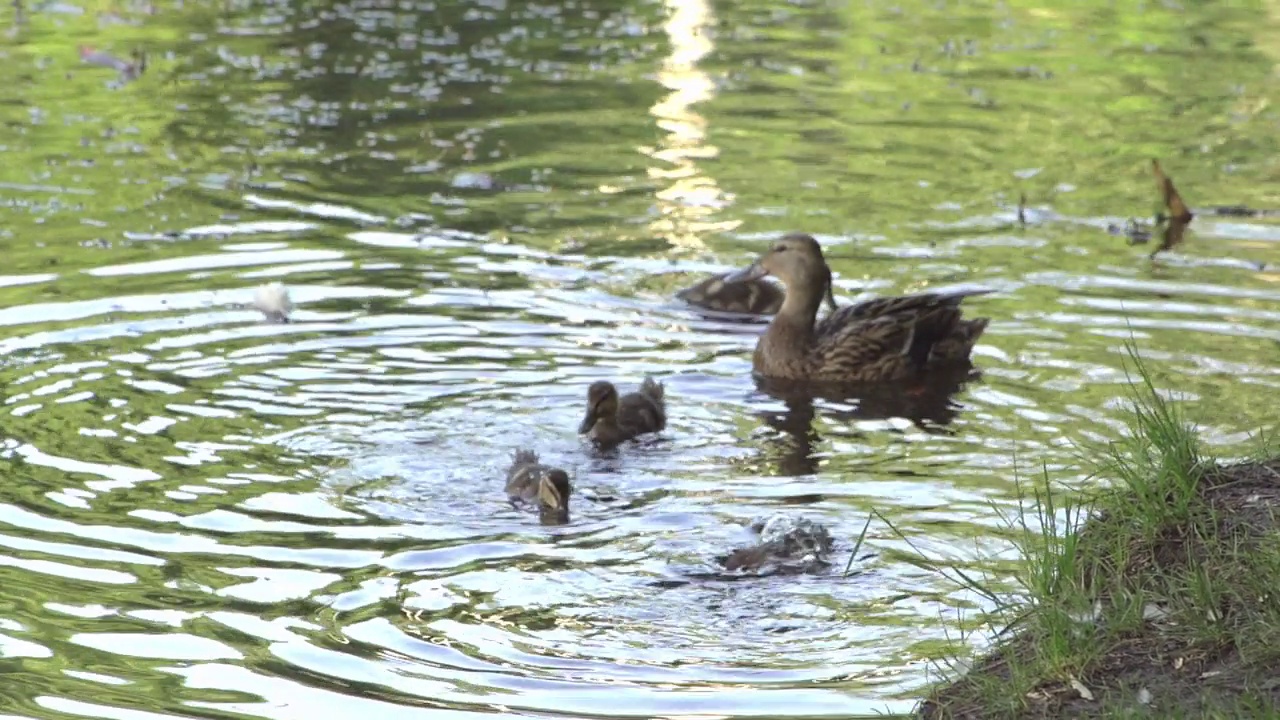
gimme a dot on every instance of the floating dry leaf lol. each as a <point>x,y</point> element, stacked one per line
<point>1172,226</point>
<point>1079,687</point>
<point>273,302</point>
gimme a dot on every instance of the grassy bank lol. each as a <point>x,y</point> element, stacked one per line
<point>1156,597</point>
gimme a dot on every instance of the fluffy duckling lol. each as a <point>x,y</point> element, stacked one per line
<point>880,340</point>
<point>528,480</point>
<point>753,297</point>
<point>791,545</point>
<point>611,419</point>
<point>749,297</point>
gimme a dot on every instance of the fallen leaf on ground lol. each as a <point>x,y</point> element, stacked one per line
<point>1144,696</point>
<point>1079,687</point>
<point>1151,611</point>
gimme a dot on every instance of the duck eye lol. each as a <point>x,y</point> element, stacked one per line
<point>779,248</point>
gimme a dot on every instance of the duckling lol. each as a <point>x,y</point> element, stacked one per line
<point>792,545</point>
<point>753,297</point>
<point>880,340</point>
<point>529,480</point>
<point>749,297</point>
<point>610,420</point>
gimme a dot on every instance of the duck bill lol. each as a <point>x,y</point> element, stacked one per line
<point>551,505</point>
<point>588,422</point>
<point>548,496</point>
<point>754,272</point>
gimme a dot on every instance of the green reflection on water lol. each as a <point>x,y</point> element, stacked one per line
<point>613,134</point>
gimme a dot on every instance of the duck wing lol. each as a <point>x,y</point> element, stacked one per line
<point>894,340</point>
<point>889,306</point>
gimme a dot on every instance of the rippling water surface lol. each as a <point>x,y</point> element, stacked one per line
<point>480,208</point>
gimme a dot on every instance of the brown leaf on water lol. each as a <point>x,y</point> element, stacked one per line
<point>1178,209</point>
<point>1173,226</point>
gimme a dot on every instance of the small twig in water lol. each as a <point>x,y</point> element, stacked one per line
<point>857,545</point>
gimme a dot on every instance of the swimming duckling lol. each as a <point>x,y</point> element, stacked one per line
<point>753,297</point>
<point>788,544</point>
<point>749,297</point>
<point>610,420</point>
<point>529,480</point>
<point>880,340</point>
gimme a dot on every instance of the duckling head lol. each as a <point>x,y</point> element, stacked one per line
<point>795,259</point>
<point>602,402</point>
<point>553,496</point>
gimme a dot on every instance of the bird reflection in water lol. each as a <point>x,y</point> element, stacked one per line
<point>927,402</point>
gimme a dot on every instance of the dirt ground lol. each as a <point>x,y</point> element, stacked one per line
<point>1160,668</point>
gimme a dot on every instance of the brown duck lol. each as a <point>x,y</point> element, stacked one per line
<point>528,480</point>
<point>885,339</point>
<point>611,420</point>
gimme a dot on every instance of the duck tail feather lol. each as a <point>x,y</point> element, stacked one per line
<point>955,297</point>
<point>652,388</point>
<point>929,330</point>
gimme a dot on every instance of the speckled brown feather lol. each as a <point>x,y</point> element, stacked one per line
<point>755,297</point>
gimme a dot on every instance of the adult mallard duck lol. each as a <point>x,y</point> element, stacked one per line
<point>611,420</point>
<point>529,480</point>
<point>884,339</point>
<point>750,297</point>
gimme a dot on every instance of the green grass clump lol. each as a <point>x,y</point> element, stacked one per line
<point>1154,597</point>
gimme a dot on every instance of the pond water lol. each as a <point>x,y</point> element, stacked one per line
<point>480,208</point>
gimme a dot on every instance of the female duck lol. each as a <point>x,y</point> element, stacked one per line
<point>529,480</point>
<point>880,340</point>
<point>610,420</point>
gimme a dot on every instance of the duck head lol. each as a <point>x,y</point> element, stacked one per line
<point>553,497</point>
<point>796,259</point>
<point>602,402</point>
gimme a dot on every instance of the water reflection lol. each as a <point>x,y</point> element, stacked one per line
<point>208,514</point>
<point>687,206</point>
<point>928,404</point>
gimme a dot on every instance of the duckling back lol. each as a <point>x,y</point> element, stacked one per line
<point>645,410</point>
<point>523,475</point>
<point>755,297</point>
